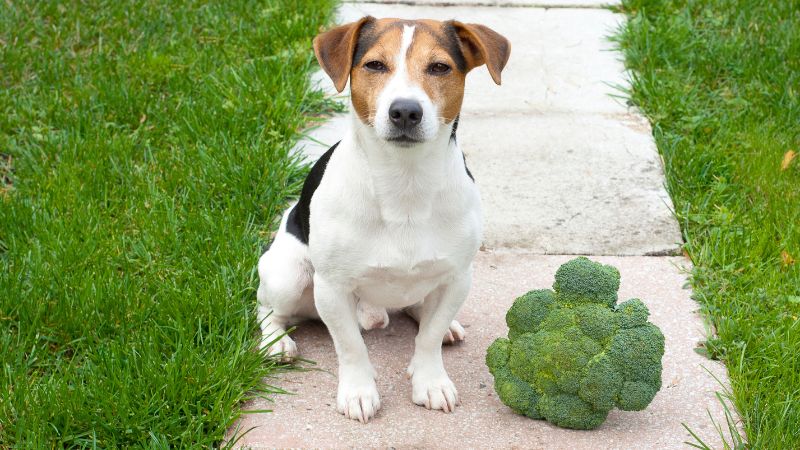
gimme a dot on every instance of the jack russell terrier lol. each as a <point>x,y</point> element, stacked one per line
<point>390,216</point>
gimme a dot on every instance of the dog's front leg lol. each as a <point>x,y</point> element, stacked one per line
<point>357,397</point>
<point>431,387</point>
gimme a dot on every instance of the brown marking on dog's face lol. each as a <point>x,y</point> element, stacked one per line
<point>434,58</point>
<point>378,45</point>
<point>433,62</point>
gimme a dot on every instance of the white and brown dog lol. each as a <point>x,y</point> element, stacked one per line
<point>390,216</point>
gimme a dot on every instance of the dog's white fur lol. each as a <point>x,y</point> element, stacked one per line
<point>390,227</point>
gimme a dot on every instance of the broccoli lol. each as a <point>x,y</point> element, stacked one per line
<point>573,354</point>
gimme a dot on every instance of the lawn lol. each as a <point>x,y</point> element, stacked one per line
<point>720,81</point>
<point>144,156</point>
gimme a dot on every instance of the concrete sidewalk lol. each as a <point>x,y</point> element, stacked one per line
<point>309,419</point>
<point>564,168</point>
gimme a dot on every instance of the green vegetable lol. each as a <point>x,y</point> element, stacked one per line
<point>573,355</point>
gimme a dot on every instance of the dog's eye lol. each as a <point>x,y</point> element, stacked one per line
<point>376,66</point>
<point>438,68</point>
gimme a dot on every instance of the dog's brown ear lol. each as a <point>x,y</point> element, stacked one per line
<point>334,49</point>
<point>482,45</point>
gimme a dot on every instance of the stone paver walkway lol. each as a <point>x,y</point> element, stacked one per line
<point>564,168</point>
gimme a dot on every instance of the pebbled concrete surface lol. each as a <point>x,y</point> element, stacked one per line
<point>309,419</point>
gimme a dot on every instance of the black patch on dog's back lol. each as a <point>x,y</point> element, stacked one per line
<point>297,223</point>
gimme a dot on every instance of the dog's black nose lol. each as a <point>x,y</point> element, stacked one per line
<point>405,113</point>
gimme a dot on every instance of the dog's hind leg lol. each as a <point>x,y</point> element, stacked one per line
<point>273,337</point>
<point>285,294</point>
<point>371,317</point>
<point>455,333</point>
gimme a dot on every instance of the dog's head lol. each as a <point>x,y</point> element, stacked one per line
<point>407,76</point>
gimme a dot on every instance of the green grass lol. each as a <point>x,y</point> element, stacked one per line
<point>144,154</point>
<point>720,81</point>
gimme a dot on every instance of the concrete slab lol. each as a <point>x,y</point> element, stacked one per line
<point>309,419</point>
<point>561,60</point>
<point>502,3</point>
<point>570,184</point>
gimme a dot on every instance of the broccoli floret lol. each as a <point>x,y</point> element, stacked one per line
<point>633,313</point>
<point>528,311</point>
<point>585,281</point>
<point>572,355</point>
<point>516,393</point>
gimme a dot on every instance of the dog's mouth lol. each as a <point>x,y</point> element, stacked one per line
<point>404,140</point>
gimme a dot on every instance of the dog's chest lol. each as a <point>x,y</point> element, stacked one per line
<point>400,267</point>
<point>394,234</point>
<point>393,259</point>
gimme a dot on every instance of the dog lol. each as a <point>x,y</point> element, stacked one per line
<point>389,217</point>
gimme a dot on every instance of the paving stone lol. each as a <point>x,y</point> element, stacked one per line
<point>570,184</point>
<point>309,419</point>
<point>561,59</point>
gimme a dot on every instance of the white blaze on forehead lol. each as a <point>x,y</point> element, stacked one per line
<point>405,43</point>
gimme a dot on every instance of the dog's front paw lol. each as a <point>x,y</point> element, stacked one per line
<point>284,348</point>
<point>433,389</point>
<point>358,397</point>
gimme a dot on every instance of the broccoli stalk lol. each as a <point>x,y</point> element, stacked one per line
<point>573,354</point>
